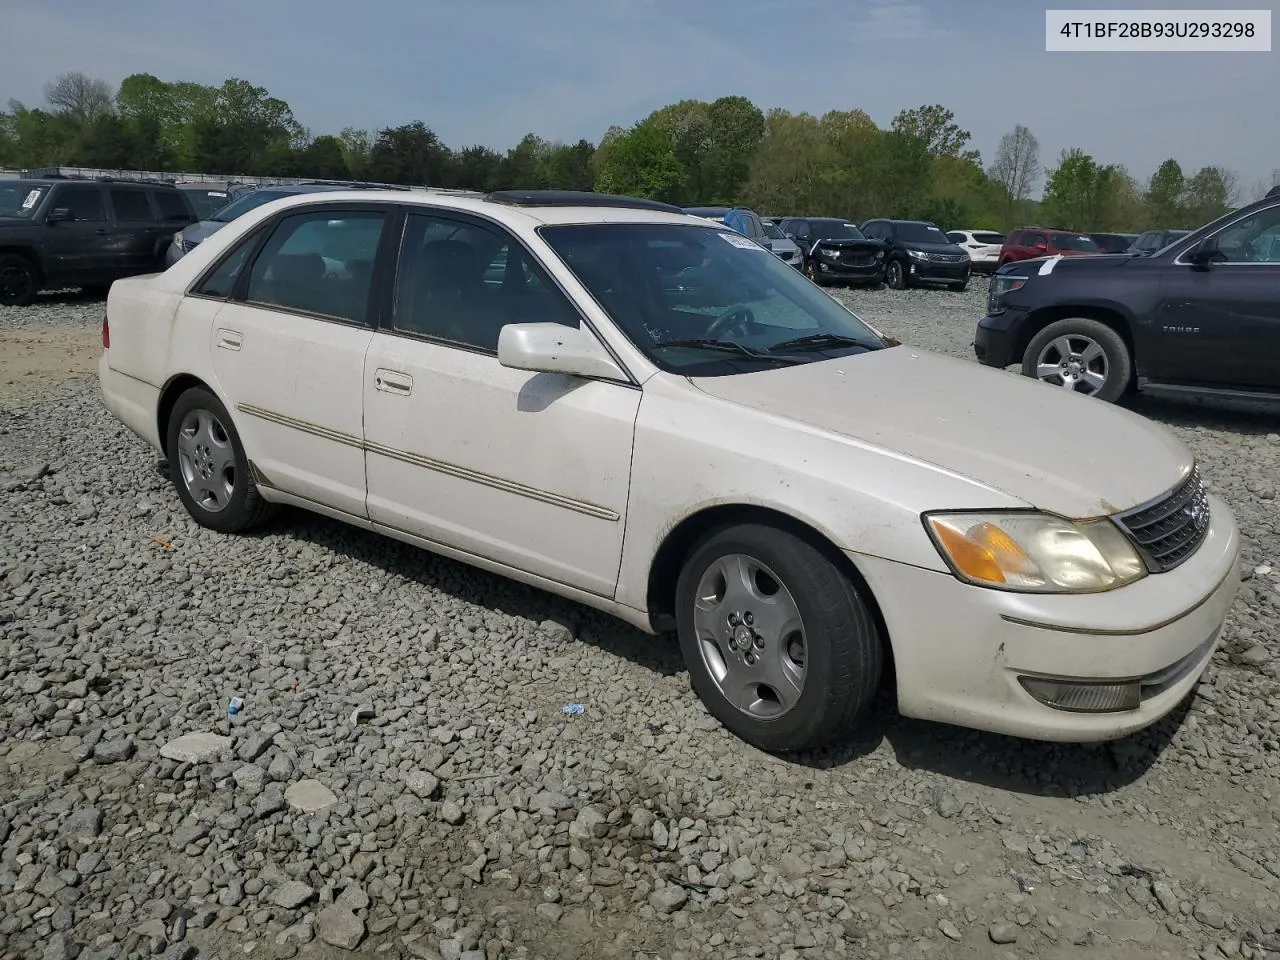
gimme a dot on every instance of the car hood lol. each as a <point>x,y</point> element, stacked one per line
<point>1052,449</point>
<point>951,248</point>
<point>196,232</point>
<point>849,243</point>
<point>1043,266</point>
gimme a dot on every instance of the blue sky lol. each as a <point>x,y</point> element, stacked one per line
<point>488,71</point>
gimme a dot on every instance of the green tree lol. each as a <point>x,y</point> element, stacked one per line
<point>1083,195</point>
<point>356,145</point>
<point>1164,196</point>
<point>476,168</point>
<point>523,168</point>
<point>1017,170</point>
<point>323,159</point>
<point>409,154</point>
<point>568,166</point>
<point>243,129</point>
<point>900,173</point>
<point>1209,194</point>
<point>936,126</point>
<point>736,127</point>
<point>640,163</point>
<point>788,168</point>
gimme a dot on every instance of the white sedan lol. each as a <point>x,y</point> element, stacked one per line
<point>650,414</point>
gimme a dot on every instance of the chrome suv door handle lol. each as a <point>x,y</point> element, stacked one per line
<point>392,381</point>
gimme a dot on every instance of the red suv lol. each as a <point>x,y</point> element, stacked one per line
<point>1030,242</point>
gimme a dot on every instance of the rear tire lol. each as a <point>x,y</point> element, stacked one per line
<point>1082,355</point>
<point>19,280</point>
<point>208,466</point>
<point>780,645</point>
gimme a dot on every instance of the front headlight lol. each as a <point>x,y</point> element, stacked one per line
<point>879,254</point>
<point>918,255</point>
<point>1035,552</point>
<point>1001,284</point>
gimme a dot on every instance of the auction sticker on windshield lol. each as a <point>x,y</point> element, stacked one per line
<point>31,199</point>
<point>742,242</point>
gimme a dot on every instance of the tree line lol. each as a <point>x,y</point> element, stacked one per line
<point>727,151</point>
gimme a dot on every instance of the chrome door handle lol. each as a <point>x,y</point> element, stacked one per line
<point>229,339</point>
<point>392,381</point>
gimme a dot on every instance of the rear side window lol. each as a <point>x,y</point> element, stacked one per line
<point>172,206</point>
<point>81,203</point>
<point>222,281</point>
<point>131,206</point>
<point>319,263</point>
<point>995,238</point>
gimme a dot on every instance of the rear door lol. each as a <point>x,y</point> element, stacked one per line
<point>137,229</point>
<point>81,248</point>
<point>288,351</point>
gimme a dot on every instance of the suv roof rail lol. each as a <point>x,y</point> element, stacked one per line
<point>576,198</point>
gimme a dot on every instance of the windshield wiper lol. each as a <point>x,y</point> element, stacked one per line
<point>726,345</point>
<point>818,340</point>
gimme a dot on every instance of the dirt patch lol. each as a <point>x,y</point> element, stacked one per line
<point>34,361</point>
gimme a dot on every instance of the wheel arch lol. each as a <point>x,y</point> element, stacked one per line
<point>684,537</point>
<point>27,253</point>
<point>1113,317</point>
<point>175,387</point>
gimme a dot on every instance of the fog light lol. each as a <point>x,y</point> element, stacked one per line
<point>1084,696</point>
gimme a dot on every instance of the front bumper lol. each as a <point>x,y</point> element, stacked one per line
<point>960,650</point>
<point>993,342</point>
<point>850,272</point>
<point>927,270</point>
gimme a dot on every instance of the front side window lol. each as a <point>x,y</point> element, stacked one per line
<point>1253,239</point>
<point>20,199</point>
<point>131,206</point>
<point>319,263</point>
<point>773,233</point>
<point>706,302</point>
<point>462,282</point>
<point>81,203</point>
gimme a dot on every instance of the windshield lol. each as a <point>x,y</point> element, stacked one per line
<point>834,230</point>
<point>772,232</point>
<point>670,282</point>
<point>1073,241</point>
<point>249,202</point>
<point>19,199</point>
<point>207,202</point>
<point>919,233</point>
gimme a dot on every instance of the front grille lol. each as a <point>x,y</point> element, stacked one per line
<point>1168,531</point>
<point>948,257</point>
<point>858,259</point>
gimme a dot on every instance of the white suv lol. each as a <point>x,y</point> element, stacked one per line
<point>983,247</point>
<point>650,414</point>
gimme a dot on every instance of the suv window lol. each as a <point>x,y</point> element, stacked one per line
<point>463,282</point>
<point>172,205</point>
<point>1030,239</point>
<point>319,262</point>
<point>1253,239</point>
<point>131,206</point>
<point>955,236</point>
<point>82,203</point>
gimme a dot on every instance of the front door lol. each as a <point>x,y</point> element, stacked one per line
<point>82,247</point>
<point>530,470</point>
<point>289,349</point>
<point>1227,310</point>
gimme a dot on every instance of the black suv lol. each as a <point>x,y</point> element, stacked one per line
<point>1199,317</point>
<point>835,250</point>
<point>918,252</point>
<point>83,233</point>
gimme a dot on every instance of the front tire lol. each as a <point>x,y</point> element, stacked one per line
<point>811,271</point>
<point>895,276</point>
<point>780,645</point>
<point>1081,355</point>
<point>209,468</point>
<point>19,280</point>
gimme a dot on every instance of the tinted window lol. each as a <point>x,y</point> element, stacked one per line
<point>663,284</point>
<point>222,281</point>
<point>19,199</point>
<point>172,207</point>
<point>1031,239</point>
<point>1075,241</point>
<point>995,238</point>
<point>83,203</point>
<point>835,230</point>
<point>249,202</point>
<point>207,202</point>
<point>131,205</point>
<point>956,237</point>
<point>319,262</point>
<point>773,233</point>
<point>1253,239</point>
<point>919,233</point>
<point>463,282</point>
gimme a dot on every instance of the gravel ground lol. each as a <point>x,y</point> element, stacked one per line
<point>402,780</point>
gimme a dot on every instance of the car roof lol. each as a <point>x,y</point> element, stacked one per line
<point>535,207</point>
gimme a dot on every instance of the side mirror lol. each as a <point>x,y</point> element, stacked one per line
<point>1206,251</point>
<point>555,348</point>
<point>58,215</point>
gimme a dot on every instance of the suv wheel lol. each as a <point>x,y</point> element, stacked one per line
<point>780,645</point>
<point>811,271</point>
<point>895,276</point>
<point>209,468</point>
<point>1081,355</point>
<point>19,281</point>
